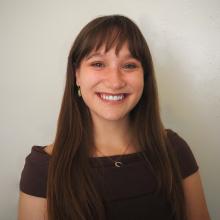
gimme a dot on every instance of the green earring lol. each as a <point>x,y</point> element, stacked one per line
<point>79,91</point>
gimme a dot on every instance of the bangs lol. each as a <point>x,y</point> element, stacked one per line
<point>110,33</point>
<point>109,38</point>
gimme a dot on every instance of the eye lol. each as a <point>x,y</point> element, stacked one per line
<point>97,64</point>
<point>130,66</point>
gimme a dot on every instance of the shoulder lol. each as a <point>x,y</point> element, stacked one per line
<point>48,149</point>
<point>185,157</point>
<point>33,179</point>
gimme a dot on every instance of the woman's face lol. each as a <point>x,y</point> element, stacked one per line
<point>111,85</point>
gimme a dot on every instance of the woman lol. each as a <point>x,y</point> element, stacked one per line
<point>112,158</point>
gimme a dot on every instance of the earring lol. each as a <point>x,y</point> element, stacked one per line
<point>79,91</point>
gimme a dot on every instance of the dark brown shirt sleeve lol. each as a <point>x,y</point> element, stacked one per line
<point>34,174</point>
<point>185,157</point>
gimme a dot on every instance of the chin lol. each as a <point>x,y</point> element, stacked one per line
<point>112,117</point>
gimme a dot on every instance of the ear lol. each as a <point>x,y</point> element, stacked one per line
<point>77,77</point>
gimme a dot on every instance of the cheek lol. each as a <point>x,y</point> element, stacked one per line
<point>89,80</point>
<point>137,82</point>
<point>141,80</point>
<point>140,88</point>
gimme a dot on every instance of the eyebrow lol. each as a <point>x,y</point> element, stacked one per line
<point>101,55</point>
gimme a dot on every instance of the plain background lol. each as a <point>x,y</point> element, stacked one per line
<point>35,38</point>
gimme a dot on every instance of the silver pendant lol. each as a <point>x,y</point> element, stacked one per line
<point>118,164</point>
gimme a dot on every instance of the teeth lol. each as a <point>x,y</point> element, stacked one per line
<point>112,97</point>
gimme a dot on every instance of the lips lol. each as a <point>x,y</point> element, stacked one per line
<point>112,94</point>
<point>112,97</point>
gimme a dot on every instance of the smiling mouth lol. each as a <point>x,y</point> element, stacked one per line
<point>112,97</point>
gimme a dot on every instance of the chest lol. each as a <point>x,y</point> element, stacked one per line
<point>128,192</point>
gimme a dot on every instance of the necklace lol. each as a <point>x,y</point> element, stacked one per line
<point>117,163</point>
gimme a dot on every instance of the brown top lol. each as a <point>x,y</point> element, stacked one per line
<point>128,190</point>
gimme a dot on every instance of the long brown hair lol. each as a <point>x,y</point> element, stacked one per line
<point>71,193</point>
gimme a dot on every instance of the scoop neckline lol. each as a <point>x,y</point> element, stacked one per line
<point>101,161</point>
<point>118,155</point>
<point>41,149</point>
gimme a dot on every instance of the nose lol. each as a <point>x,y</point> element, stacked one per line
<point>115,79</point>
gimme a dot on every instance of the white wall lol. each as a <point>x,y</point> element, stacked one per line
<point>35,37</point>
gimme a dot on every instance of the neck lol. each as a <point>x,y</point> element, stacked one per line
<point>112,137</point>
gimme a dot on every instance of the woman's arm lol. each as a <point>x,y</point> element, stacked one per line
<point>195,200</point>
<point>32,207</point>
